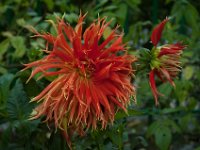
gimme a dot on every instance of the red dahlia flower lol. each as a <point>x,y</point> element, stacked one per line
<point>92,76</point>
<point>165,62</point>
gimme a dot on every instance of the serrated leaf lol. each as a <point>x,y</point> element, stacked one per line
<point>5,137</point>
<point>163,137</point>
<point>5,82</point>
<point>18,106</point>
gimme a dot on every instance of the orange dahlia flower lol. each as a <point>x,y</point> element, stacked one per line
<point>165,63</point>
<point>92,76</point>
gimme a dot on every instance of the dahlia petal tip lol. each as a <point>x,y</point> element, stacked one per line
<point>67,138</point>
<point>28,79</point>
<point>32,100</point>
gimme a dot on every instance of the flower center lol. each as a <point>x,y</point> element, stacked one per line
<point>155,61</point>
<point>85,68</point>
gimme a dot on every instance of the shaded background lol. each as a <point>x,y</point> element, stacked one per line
<point>173,125</point>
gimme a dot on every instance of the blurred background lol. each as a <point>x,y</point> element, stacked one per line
<point>174,125</point>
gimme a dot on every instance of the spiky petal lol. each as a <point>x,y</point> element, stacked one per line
<point>92,76</point>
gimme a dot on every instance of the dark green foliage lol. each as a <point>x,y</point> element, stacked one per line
<point>172,125</point>
<point>18,106</point>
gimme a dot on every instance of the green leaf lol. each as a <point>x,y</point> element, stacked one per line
<point>21,22</point>
<point>192,16</point>
<point>121,13</point>
<point>163,137</point>
<point>7,34</point>
<point>101,3</point>
<point>107,32</point>
<point>3,8</point>
<point>182,89</point>
<point>116,134</point>
<point>5,82</point>
<point>198,148</point>
<point>72,17</point>
<point>18,42</point>
<point>144,58</point>
<point>133,3</point>
<point>34,20</point>
<point>116,138</point>
<point>153,127</point>
<point>57,142</point>
<point>161,130</point>
<point>49,3</point>
<point>188,122</point>
<point>171,124</point>
<point>131,112</point>
<point>3,47</point>
<point>3,70</point>
<point>171,110</point>
<point>18,106</point>
<point>6,137</point>
<point>165,89</point>
<point>188,72</point>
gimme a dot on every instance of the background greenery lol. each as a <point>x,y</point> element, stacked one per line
<point>173,125</point>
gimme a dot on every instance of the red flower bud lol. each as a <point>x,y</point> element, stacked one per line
<point>165,63</point>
